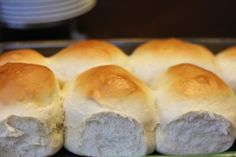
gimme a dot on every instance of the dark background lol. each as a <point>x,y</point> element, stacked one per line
<point>143,19</point>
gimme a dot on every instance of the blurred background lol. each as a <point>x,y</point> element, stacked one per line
<point>136,19</point>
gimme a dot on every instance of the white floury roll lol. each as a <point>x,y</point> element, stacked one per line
<point>108,112</point>
<point>197,111</point>
<point>22,56</point>
<point>156,56</point>
<point>81,56</point>
<point>226,59</point>
<point>31,112</point>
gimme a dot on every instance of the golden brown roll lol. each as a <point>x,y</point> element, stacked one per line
<point>22,56</point>
<point>154,57</point>
<point>83,55</point>
<point>108,112</point>
<point>197,111</point>
<point>31,112</point>
<point>227,62</point>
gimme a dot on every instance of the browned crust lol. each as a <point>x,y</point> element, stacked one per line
<point>22,56</point>
<point>21,82</point>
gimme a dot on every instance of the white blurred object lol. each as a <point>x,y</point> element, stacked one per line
<point>27,13</point>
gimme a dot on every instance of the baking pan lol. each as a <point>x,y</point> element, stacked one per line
<point>128,45</point>
<point>49,48</point>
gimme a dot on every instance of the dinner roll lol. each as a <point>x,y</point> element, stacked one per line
<point>108,112</point>
<point>197,112</point>
<point>227,62</point>
<point>22,56</point>
<point>31,112</point>
<point>83,55</point>
<point>154,57</point>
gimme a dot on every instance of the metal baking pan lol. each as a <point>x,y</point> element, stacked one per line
<point>128,45</point>
<point>49,48</point>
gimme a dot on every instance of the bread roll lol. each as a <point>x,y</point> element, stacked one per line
<point>226,59</point>
<point>108,112</point>
<point>197,112</point>
<point>22,56</point>
<point>31,112</point>
<point>83,55</point>
<point>154,57</point>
